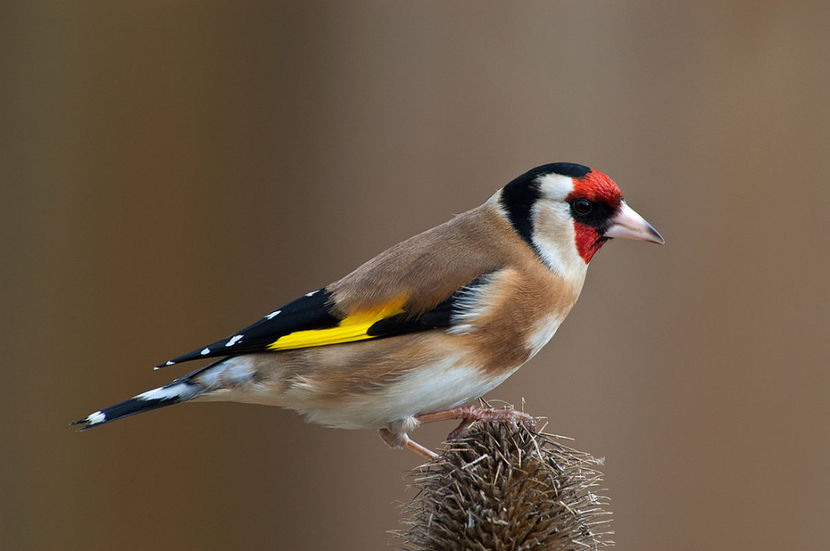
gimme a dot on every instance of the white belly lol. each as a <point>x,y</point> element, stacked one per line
<point>444,385</point>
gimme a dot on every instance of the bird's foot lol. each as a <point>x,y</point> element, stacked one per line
<point>471,414</point>
<point>395,435</point>
<point>402,440</point>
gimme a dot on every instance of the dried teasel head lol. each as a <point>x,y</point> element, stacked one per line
<point>503,487</point>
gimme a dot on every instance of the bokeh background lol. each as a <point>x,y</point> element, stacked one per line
<point>172,171</point>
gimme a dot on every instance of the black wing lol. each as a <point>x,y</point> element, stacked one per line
<point>308,312</point>
<point>311,318</point>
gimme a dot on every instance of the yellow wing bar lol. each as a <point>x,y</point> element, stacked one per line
<point>351,328</point>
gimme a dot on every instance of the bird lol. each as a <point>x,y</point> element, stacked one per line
<point>426,326</point>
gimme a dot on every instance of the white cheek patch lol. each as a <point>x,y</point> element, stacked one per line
<point>555,239</point>
<point>553,232</point>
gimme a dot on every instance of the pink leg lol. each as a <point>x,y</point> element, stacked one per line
<point>401,440</point>
<point>471,414</point>
<point>420,450</point>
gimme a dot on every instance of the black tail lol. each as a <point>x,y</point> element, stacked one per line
<point>180,390</point>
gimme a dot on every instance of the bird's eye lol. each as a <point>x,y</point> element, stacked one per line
<point>582,207</point>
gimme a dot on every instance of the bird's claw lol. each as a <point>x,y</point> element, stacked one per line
<point>471,414</point>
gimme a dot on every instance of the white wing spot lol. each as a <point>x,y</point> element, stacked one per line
<point>95,418</point>
<point>205,351</point>
<point>312,293</point>
<point>170,362</point>
<point>233,340</point>
<point>273,314</point>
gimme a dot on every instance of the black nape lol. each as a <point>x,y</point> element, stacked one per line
<point>517,199</point>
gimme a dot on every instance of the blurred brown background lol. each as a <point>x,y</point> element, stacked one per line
<point>172,172</point>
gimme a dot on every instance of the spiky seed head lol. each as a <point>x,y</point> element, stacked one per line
<point>503,487</point>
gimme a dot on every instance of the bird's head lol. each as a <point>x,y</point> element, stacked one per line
<point>567,211</point>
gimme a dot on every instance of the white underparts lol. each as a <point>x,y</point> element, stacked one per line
<point>443,385</point>
<point>232,372</point>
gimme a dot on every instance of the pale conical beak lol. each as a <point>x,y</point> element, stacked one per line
<point>630,225</point>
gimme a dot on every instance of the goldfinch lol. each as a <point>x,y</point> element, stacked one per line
<point>430,324</point>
